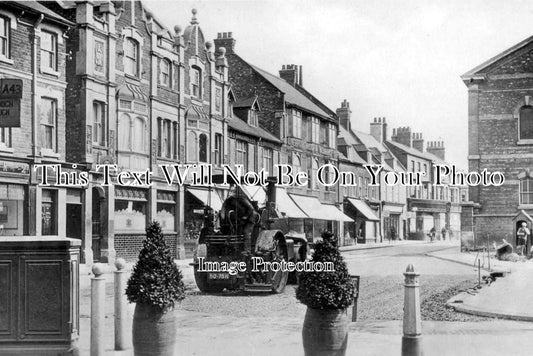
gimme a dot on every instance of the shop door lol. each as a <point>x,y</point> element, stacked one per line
<point>74,222</point>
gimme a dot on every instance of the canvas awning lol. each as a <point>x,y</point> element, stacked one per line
<point>286,205</point>
<point>210,199</point>
<point>316,210</point>
<point>255,193</point>
<point>364,209</point>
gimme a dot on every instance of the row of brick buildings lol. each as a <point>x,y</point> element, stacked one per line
<point>106,83</point>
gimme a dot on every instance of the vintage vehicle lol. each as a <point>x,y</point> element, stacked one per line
<point>245,235</point>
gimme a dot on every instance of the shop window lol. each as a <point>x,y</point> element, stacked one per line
<point>130,215</point>
<point>48,213</point>
<point>166,210</point>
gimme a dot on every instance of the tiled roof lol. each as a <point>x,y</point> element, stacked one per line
<point>241,126</point>
<point>245,103</point>
<point>292,95</point>
<point>34,5</point>
<point>413,151</point>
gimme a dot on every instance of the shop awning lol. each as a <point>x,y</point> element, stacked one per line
<point>286,205</point>
<point>211,200</point>
<point>364,209</point>
<point>316,210</point>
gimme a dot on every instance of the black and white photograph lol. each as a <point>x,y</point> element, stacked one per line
<point>266,178</point>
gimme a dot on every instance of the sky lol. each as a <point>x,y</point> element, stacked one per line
<point>399,59</point>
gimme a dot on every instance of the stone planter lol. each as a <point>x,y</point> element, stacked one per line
<point>154,332</point>
<point>325,332</point>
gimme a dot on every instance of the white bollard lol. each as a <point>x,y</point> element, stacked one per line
<point>412,318</point>
<point>121,307</point>
<point>97,310</point>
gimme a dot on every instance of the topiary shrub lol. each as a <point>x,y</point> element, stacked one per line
<point>156,280</point>
<point>326,290</point>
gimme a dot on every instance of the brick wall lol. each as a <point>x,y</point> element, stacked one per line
<point>128,246</point>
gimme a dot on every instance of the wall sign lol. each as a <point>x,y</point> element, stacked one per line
<point>10,95</point>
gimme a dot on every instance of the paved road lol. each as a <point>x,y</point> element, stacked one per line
<point>271,325</point>
<point>393,261</point>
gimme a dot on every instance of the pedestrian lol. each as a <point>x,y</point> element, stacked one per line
<point>432,233</point>
<point>443,232</point>
<point>521,238</point>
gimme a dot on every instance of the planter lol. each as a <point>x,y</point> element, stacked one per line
<point>154,332</point>
<point>325,332</point>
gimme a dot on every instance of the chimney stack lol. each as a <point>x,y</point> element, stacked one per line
<point>418,142</point>
<point>402,135</point>
<point>292,74</point>
<point>226,40</point>
<point>378,129</point>
<point>344,113</point>
<point>437,148</point>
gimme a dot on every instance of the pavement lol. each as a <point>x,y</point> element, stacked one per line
<point>509,297</point>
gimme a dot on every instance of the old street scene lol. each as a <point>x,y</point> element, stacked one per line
<point>266,178</point>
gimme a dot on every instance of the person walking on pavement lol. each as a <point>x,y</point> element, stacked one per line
<point>522,235</point>
<point>443,232</point>
<point>432,233</point>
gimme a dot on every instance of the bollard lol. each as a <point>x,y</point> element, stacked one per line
<point>412,319</point>
<point>121,307</point>
<point>97,310</point>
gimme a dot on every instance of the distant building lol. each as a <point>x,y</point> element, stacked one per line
<point>33,50</point>
<point>429,206</point>
<point>500,138</point>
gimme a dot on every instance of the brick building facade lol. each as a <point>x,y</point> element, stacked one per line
<point>500,118</point>
<point>33,50</point>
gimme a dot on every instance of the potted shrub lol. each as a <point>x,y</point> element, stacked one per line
<point>327,296</point>
<point>156,286</point>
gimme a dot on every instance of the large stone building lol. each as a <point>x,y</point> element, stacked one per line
<point>33,51</point>
<point>139,96</point>
<point>500,132</point>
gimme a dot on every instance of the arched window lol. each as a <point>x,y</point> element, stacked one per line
<point>131,57</point>
<point>526,123</point>
<point>191,147</point>
<point>124,133</point>
<point>139,135</point>
<point>203,148</point>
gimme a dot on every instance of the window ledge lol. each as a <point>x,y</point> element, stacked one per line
<point>5,149</point>
<point>132,77</point>
<point>525,142</point>
<point>49,153</point>
<point>525,206</point>
<point>6,60</point>
<point>50,71</point>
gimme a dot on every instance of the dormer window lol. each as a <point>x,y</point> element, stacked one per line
<point>252,117</point>
<point>525,125</point>
<point>131,57</point>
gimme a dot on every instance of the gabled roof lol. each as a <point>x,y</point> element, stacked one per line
<point>39,8</point>
<point>477,71</point>
<point>247,103</point>
<point>412,151</point>
<point>239,125</point>
<point>350,139</point>
<point>292,95</point>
